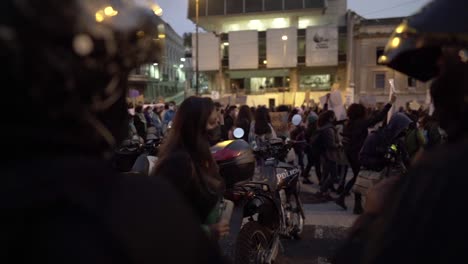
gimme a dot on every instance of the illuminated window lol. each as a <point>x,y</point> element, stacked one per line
<point>316,82</point>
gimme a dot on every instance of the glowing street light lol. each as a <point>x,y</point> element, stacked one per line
<point>284,37</point>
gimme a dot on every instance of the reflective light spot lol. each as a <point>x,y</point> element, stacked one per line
<point>99,16</point>
<point>400,29</point>
<point>83,44</point>
<point>396,42</point>
<point>140,34</point>
<point>383,59</point>
<point>110,11</point>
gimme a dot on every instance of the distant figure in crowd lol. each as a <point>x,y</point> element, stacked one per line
<point>229,119</point>
<point>260,129</point>
<point>140,121</point>
<point>312,149</point>
<point>170,113</point>
<point>354,134</point>
<point>244,118</point>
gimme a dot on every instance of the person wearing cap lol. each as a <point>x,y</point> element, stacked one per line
<point>312,152</point>
<point>61,200</point>
<point>421,218</point>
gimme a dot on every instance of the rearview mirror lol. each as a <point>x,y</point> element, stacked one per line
<point>238,133</point>
<point>296,120</point>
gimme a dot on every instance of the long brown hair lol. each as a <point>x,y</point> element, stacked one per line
<point>188,133</point>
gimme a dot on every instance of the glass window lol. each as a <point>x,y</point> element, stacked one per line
<point>318,82</point>
<point>234,6</point>
<point>412,82</point>
<point>378,53</point>
<point>273,5</point>
<point>253,5</point>
<point>293,4</point>
<point>215,7</point>
<point>314,3</point>
<point>379,80</point>
<point>301,46</point>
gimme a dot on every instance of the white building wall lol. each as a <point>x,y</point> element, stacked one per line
<point>243,50</point>
<point>281,53</point>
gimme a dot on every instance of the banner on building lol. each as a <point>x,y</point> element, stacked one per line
<point>321,46</point>
<point>281,48</point>
<point>243,50</point>
<point>209,52</point>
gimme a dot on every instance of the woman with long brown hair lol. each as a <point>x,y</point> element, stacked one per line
<point>187,163</point>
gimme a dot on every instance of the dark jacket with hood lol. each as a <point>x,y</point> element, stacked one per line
<point>376,145</point>
<point>355,132</point>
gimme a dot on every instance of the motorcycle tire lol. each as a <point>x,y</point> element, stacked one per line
<point>296,232</point>
<point>251,241</point>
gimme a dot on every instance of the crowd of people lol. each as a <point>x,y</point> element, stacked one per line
<point>63,201</point>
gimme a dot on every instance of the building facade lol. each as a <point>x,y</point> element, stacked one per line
<point>165,79</point>
<point>282,48</point>
<point>370,78</point>
<point>290,51</point>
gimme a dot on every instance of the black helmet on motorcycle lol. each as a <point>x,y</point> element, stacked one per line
<point>417,44</point>
<point>66,64</point>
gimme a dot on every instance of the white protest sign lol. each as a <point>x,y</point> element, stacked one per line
<point>392,92</point>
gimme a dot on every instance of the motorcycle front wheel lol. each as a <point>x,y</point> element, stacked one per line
<point>252,243</point>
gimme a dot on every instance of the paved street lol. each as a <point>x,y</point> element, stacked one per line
<point>326,227</point>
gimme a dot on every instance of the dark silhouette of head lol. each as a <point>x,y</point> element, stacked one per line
<point>356,112</point>
<point>326,117</point>
<point>262,121</point>
<point>244,113</point>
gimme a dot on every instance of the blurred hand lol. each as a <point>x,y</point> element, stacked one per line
<point>219,230</point>
<point>378,195</point>
<point>393,99</point>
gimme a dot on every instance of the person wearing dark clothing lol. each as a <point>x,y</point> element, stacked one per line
<point>187,163</point>
<point>229,121</point>
<point>140,121</point>
<point>63,202</point>
<point>419,218</point>
<point>243,121</point>
<point>330,145</point>
<point>354,134</point>
<point>432,132</point>
<point>298,134</point>
<point>312,149</point>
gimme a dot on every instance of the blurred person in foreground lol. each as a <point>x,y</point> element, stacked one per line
<point>421,218</point>
<point>62,202</point>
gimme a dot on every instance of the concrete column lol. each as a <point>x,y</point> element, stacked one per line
<point>294,80</point>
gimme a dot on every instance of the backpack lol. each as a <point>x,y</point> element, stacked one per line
<point>373,152</point>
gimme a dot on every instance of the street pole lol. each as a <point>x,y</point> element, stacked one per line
<point>284,38</point>
<point>197,74</point>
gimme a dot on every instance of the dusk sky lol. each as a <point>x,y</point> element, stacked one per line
<point>175,11</point>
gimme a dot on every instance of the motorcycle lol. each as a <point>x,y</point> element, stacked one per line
<point>137,156</point>
<point>267,206</point>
